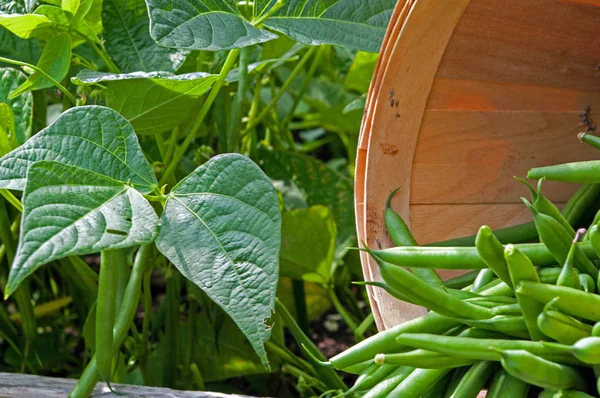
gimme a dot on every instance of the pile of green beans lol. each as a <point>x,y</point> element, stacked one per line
<point>525,322</point>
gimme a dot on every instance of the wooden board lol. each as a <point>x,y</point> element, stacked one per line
<point>30,386</point>
<point>476,95</point>
<point>398,114</point>
<point>472,156</point>
<point>534,42</point>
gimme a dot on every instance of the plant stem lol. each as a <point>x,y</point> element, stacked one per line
<point>300,302</point>
<point>43,73</point>
<point>235,124</point>
<point>89,377</point>
<point>340,308</point>
<point>147,291</point>
<point>307,80</point>
<point>282,90</point>
<point>259,21</point>
<point>359,332</point>
<point>101,51</point>
<point>22,293</point>
<point>328,375</point>
<point>286,355</point>
<point>294,371</point>
<point>229,62</point>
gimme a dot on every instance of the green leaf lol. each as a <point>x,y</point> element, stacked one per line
<point>55,61</point>
<point>22,107</point>
<point>355,24</point>
<point>221,228</point>
<point>24,25</point>
<point>128,41</point>
<point>8,138</point>
<point>307,244</point>
<point>13,47</point>
<point>77,8</point>
<point>69,211</point>
<point>320,186</point>
<point>360,73</point>
<point>202,25</point>
<point>95,138</point>
<point>153,102</point>
<point>356,105</point>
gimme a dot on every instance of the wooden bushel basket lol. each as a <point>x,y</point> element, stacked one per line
<point>466,95</point>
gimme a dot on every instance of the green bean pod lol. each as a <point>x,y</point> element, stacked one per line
<point>422,359</point>
<point>385,341</point>
<point>383,388</point>
<point>569,277</point>
<point>558,241</point>
<point>549,275</point>
<point>484,277</point>
<point>571,301</point>
<point>521,269</point>
<point>418,383</point>
<point>481,349</point>
<point>507,309</point>
<point>106,309</point>
<point>561,327</point>
<point>587,350</point>
<point>468,257</point>
<point>596,329</point>
<point>474,380</point>
<point>491,252</point>
<point>461,281</point>
<point>507,324</point>
<point>374,375</point>
<point>440,301</point>
<point>587,172</point>
<point>541,372</point>
<point>563,394</point>
<point>589,139</point>
<point>505,385</point>
<point>586,283</point>
<point>594,234</point>
<point>401,236</point>
<point>521,233</point>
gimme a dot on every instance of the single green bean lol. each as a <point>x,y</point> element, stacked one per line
<point>505,385</point>
<point>541,372</point>
<point>587,349</point>
<point>423,359</point>
<point>467,257</point>
<point>507,324</point>
<point>558,241</point>
<point>358,368</point>
<point>401,236</point>
<point>480,349</point>
<point>418,383</point>
<point>586,283</point>
<point>507,309</point>
<point>474,380</point>
<point>521,233</point>
<point>484,277</point>
<point>561,327</point>
<point>571,301</point>
<point>384,341</point>
<point>382,389</point>
<point>522,269</point>
<point>589,139</point>
<point>596,329</point>
<point>491,252</point>
<point>440,301</point>
<point>372,377</point>
<point>587,172</point>
<point>568,276</point>
<point>582,202</point>
<point>545,206</point>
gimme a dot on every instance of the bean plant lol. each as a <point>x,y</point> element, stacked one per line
<point>205,150</point>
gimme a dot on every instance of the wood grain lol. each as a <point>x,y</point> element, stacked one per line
<point>399,107</point>
<point>30,386</point>
<point>476,95</point>
<point>534,42</point>
<point>471,156</point>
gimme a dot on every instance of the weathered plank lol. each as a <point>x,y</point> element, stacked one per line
<point>30,386</point>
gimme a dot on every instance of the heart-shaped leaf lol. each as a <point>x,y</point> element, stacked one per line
<point>356,24</point>
<point>153,102</point>
<point>69,211</point>
<point>95,138</point>
<point>202,25</point>
<point>128,42</point>
<point>22,107</point>
<point>55,61</point>
<point>221,228</point>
